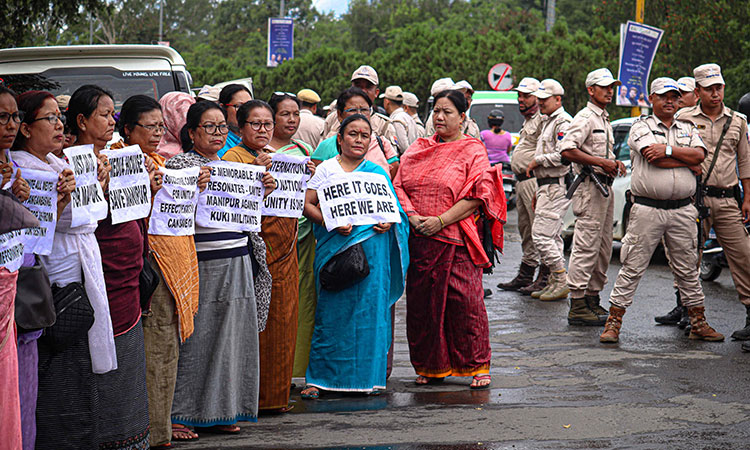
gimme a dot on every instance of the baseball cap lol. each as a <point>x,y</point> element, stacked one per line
<point>393,93</point>
<point>209,93</point>
<point>366,73</point>
<point>601,77</point>
<point>663,85</point>
<point>441,85</point>
<point>708,74</point>
<point>308,96</point>
<point>463,84</point>
<point>548,88</point>
<point>686,84</point>
<point>528,85</point>
<point>411,99</point>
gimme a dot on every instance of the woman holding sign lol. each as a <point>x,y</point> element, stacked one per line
<point>353,325</point>
<point>286,115</point>
<point>217,372</point>
<point>277,342</point>
<point>443,182</point>
<point>123,415</point>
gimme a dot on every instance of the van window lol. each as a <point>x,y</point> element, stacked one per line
<point>122,84</point>
<point>621,147</point>
<point>513,119</point>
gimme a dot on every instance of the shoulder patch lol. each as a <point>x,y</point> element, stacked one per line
<point>560,135</point>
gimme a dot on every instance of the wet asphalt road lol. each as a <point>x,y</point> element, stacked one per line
<point>553,386</point>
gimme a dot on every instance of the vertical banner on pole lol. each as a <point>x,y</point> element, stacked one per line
<point>638,44</point>
<point>280,41</point>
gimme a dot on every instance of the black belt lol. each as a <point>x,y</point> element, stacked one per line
<point>714,191</point>
<point>662,204</point>
<point>604,179</point>
<point>523,177</point>
<point>545,181</point>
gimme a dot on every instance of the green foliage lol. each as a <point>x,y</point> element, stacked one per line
<point>22,22</point>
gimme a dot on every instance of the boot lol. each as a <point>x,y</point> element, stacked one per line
<point>540,292</point>
<point>592,301</point>
<point>580,314</point>
<point>524,278</point>
<point>746,346</point>
<point>611,332</point>
<point>558,287</point>
<point>487,293</point>
<point>699,328</point>
<point>672,317</point>
<point>743,334</point>
<point>538,284</point>
<point>684,321</point>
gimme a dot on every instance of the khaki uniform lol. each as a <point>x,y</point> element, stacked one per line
<point>726,216</point>
<point>381,125</point>
<point>420,126</point>
<point>310,128</point>
<point>551,203</point>
<point>590,132</point>
<point>520,158</point>
<point>470,127</point>
<point>649,224</point>
<point>406,129</point>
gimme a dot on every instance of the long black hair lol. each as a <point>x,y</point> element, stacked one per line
<point>349,93</point>
<point>455,97</point>
<point>84,101</point>
<point>228,91</point>
<point>132,109</point>
<point>194,115</point>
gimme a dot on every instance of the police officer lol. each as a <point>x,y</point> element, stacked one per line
<point>664,153</point>
<point>726,137</point>
<point>687,89</point>
<point>551,204</point>
<point>589,142</point>
<point>526,189</point>
<point>411,106</point>
<point>406,128</point>
<point>365,78</point>
<point>310,125</point>
<point>469,126</point>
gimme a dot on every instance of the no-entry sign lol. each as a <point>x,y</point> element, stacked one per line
<point>500,77</point>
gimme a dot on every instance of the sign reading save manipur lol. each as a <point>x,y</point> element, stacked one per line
<point>129,185</point>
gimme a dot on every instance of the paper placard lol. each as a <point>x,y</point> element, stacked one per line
<point>42,202</point>
<point>87,200</point>
<point>11,250</point>
<point>173,213</point>
<point>357,198</point>
<point>129,185</point>
<point>233,198</point>
<point>291,175</point>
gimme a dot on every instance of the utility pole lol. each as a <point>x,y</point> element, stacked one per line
<point>550,21</point>
<point>161,20</point>
<point>640,6</point>
<point>281,8</point>
<point>91,30</point>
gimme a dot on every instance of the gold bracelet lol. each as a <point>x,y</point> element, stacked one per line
<point>442,224</point>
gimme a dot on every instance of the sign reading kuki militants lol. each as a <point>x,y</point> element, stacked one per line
<point>87,200</point>
<point>174,205</point>
<point>42,202</point>
<point>291,175</point>
<point>129,185</point>
<point>357,199</point>
<point>233,198</point>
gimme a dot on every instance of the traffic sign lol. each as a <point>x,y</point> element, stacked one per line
<point>500,77</point>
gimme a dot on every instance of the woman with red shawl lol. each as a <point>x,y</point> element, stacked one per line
<point>444,183</point>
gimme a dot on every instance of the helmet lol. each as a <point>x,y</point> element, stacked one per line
<point>744,106</point>
<point>496,118</point>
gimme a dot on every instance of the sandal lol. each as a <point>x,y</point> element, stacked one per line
<point>220,429</point>
<point>182,433</point>
<point>310,393</point>
<point>424,381</point>
<point>478,379</point>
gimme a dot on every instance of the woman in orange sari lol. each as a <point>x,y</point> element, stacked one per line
<point>277,342</point>
<point>443,183</point>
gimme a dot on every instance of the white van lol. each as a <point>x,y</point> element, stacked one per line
<point>124,70</point>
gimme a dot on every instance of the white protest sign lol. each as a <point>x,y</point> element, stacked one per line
<point>357,198</point>
<point>291,175</point>
<point>129,185</point>
<point>174,205</point>
<point>12,180</point>
<point>87,200</point>
<point>233,198</point>
<point>11,250</point>
<point>42,202</point>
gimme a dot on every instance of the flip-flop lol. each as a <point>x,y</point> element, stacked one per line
<point>430,380</point>
<point>482,378</point>
<point>312,395</point>
<point>179,428</point>
<point>220,429</point>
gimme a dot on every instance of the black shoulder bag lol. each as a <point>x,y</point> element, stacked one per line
<point>345,269</point>
<point>75,316</point>
<point>35,306</point>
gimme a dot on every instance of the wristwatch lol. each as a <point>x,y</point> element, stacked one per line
<point>669,150</point>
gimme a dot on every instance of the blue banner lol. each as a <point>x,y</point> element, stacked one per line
<point>638,44</point>
<point>280,41</point>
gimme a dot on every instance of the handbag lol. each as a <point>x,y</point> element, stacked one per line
<point>35,306</point>
<point>148,281</point>
<point>75,316</point>
<point>345,269</point>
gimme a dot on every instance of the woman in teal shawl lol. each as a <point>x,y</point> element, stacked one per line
<point>353,326</point>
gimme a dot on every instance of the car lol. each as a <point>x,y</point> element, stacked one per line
<point>621,130</point>
<point>124,70</point>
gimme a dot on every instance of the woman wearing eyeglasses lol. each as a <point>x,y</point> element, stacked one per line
<point>277,342</point>
<point>356,101</point>
<point>218,368</point>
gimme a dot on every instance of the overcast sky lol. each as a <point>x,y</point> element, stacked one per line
<point>337,6</point>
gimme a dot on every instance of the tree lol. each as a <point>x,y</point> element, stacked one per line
<point>23,21</point>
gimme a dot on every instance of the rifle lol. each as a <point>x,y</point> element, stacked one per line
<point>587,172</point>
<point>703,210</point>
